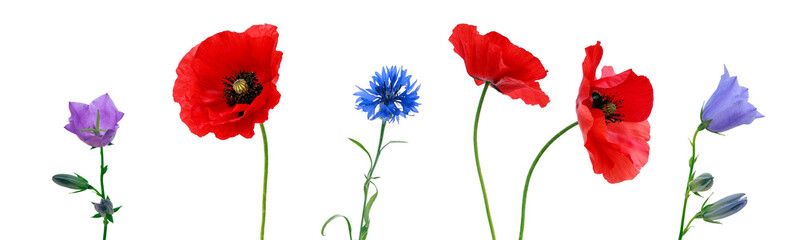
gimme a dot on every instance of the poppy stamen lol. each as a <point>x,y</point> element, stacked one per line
<point>241,88</point>
<point>608,105</point>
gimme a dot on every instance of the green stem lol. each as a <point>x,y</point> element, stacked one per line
<point>689,225</point>
<point>102,173</point>
<point>361,235</point>
<point>477,161</point>
<point>691,163</point>
<point>266,172</point>
<point>102,189</point>
<point>530,174</point>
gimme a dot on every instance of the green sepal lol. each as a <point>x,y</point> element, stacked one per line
<point>116,209</point>
<point>349,226</point>
<point>110,217</point>
<point>92,148</point>
<point>695,193</point>
<point>711,221</point>
<point>81,177</point>
<point>96,215</point>
<point>78,191</point>
<point>362,148</point>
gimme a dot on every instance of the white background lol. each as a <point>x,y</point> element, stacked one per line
<point>174,185</point>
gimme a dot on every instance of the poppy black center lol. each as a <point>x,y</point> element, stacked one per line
<point>241,88</point>
<point>608,106</point>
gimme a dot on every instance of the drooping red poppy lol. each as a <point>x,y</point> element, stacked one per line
<point>612,113</point>
<point>226,84</point>
<point>492,58</point>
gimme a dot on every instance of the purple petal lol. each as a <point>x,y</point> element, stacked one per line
<point>728,107</point>
<point>84,116</point>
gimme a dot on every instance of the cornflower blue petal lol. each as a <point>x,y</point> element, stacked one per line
<point>390,95</point>
<point>728,107</point>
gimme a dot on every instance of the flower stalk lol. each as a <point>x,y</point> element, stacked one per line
<point>266,173</point>
<point>691,162</point>
<point>477,161</point>
<point>530,174</point>
<point>364,230</point>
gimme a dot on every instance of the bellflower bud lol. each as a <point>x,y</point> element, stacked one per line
<point>71,182</point>
<point>723,208</point>
<point>105,207</point>
<point>701,183</point>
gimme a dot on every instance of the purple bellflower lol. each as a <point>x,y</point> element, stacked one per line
<point>94,123</point>
<point>728,107</point>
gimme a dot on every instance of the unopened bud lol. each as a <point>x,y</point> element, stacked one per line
<point>71,182</point>
<point>701,183</point>
<point>723,208</point>
<point>105,207</point>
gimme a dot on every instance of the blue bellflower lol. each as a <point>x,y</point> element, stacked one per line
<point>728,107</point>
<point>95,123</point>
<point>390,95</point>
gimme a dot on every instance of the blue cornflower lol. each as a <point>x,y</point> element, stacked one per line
<point>728,107</point>
<point>389,96</point>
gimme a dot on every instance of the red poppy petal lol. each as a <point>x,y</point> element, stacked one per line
<point>529,92</point>
<point>480,56</point>
<point>600,151</point>
<point>635,92</point>
<point>632,138</point>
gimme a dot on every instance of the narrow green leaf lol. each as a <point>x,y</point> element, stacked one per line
<point>362,148</point>
<point>349,227</point>
<point>116,209</point>
<point>369,204</point>
<point>110,217</point>
<point>104,170</point>
<point>390,142</point>
<point>96,216</point>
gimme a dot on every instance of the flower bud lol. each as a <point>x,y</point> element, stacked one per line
<point>701,183</point>
<point>71,182</point>
<point>105,207</point>
<point>723,208</point>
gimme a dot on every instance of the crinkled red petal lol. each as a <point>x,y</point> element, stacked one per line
<point>492,57</point>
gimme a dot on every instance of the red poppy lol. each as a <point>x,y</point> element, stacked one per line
<point>612,113</point>
<point>512,70</point>
<point>226,84</point>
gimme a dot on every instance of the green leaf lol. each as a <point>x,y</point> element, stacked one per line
<point>116,209</point>
<point>96,215</point>
<point>369,204</point>
<point>110,217</point>
<point>390,142</point>
<point>349,226</point>
<point>104,170</point>
<point>362,148</point>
